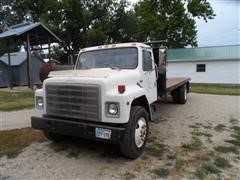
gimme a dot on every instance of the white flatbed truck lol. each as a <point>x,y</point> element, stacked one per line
<point>109,96</point>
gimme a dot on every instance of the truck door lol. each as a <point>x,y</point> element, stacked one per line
<point>149,75</point>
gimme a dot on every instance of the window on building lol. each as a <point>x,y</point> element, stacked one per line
<point>201,67</point>
<point>147,61</point>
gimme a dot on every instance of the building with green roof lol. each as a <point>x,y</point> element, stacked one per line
<point>207,65</point>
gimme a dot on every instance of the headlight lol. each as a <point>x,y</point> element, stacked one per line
<point>39,102</point>
<point>112,109</point>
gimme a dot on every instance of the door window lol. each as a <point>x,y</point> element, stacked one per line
<point>147,61</point>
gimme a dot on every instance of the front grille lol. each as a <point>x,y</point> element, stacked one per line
<point>79,102</point>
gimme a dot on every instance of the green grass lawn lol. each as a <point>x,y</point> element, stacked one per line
<point>13,141</point>
<point>220,90</point>
<point>16,100</point>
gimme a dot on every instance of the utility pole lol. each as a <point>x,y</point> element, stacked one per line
<point>29,64</point>
<point>9,66</point>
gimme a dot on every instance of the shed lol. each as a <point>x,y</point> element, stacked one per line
<point>32,34</point>
<point>206,65</point>
<point>4,74</point>
<point>19,69</point>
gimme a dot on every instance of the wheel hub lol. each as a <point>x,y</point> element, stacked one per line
<point>140,132</point>
<point>185,93</point>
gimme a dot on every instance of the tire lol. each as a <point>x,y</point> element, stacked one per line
<point>175,96</point>
<point>133,145</point>
<point>182,99</point>
<point>54,137</point>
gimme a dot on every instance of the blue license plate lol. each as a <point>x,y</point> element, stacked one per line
<point>103,133</point>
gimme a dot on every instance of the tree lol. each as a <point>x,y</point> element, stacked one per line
<point>11,13</point>
<point>88,23</point>
<point>171,20</point>
<point>81,23</point>
<point>123,23</point>
<point>59,55</point>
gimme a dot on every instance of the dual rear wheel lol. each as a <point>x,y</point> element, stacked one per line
<point>179,95</point>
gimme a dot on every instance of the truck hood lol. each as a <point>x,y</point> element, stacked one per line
<point>90,73</point>
<point>107,78</point>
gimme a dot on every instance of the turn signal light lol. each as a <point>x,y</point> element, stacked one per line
<point>121,88</point>
<point>39,86</point>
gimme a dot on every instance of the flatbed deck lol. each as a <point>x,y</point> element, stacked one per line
<point>175,82</point>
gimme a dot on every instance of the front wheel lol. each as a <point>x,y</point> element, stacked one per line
<point>136,133</point>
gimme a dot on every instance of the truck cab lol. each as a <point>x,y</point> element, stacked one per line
<point>109,96</point>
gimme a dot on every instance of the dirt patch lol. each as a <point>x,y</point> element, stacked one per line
<point>192,124</point>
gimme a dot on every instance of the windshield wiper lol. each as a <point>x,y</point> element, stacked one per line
<point>112,67</point>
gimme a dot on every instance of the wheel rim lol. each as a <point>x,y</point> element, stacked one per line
<point>140,132</point>
<point>185,93</point>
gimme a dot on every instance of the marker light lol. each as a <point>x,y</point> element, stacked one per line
<point>121,88</point>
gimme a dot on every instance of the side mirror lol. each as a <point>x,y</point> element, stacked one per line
<point>162,60</point>
<point>156,70</point>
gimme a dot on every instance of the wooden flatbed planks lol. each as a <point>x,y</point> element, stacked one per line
<point>175,82</point>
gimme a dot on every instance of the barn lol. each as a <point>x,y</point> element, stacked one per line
<point>19,69</point>
<point>206,65</point>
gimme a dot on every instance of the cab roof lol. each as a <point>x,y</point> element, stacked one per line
<point>109,46</point>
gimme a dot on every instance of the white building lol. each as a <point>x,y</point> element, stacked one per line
<point>206,65</point>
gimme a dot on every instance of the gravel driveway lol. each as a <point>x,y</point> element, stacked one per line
<point>81,159</point>
<point>16,119</point>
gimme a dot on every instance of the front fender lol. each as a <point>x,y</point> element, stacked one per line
<point>125,100</point>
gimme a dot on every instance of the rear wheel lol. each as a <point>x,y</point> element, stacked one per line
<point>135,137</point>
<point>54,137</point>
<point>179,95</point>
<point>182,94</point>
<point>175,95</point>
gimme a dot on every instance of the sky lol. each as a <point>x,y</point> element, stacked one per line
<point>224,29</point>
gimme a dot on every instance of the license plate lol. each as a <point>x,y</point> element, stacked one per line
<point>103,133</point>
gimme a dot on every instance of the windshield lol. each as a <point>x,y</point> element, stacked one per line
<point>117,58</point>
